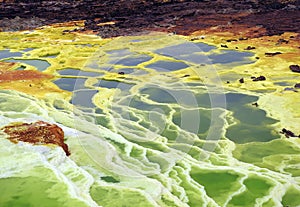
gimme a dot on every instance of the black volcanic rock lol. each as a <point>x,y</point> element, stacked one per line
<point>180,16</point>
<point>288,133</point>
<point>259,78</point>
<point>295,68</point>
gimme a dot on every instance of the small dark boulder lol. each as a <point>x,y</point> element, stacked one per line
<point>224,46</point>
<point>290,89</point>
<point>288,133</point>
<point>242,80</point>
<point>249,48</point>
<point>280,41</point>
<point>231,40</point>
<point>297,85</point>
<point>295,68</point>
<point>186,75</point>
<point>194,38</point>
<point>259,78</point>
<point>271,54</point>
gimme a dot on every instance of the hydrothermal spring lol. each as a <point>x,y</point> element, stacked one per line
<point>153,120</point>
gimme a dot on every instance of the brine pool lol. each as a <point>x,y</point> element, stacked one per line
<point>150,123</point>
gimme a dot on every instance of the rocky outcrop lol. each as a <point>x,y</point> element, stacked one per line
<point>288,133</point>
<point>130,17</point>
<point>8,74</point>
<point>295,68</point>
<point>38,133</point>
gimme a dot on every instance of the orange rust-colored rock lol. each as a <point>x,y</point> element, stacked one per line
<point>39,132</point>
<point>22,75</point>
<point>8,74</point>
<point>31,82</point>
<point>4,66</point>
